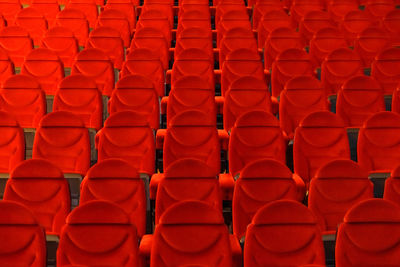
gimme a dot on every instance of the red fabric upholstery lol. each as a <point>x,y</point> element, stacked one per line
<point>63,140</point>
<point>270,21</point>
<point>283,227</point>
<point>136,93</point>
<point>259,183</point>
<point>24,242</point>
<point>378,142</point>
<point>336,187</point>
<point>41,187</point>
<point>392,186</point>
<point>75,20</point>
<point>6,66</point>
<point>117,20</point>
<point>320,138</point>
<point>98,232</point>
<point>33,21</point>
<point>369,236</point>
<point>94,63</point>
<point>359,98</point>
<point>128,136</point>
<point>117,181</point>
<point>16,42</point>
<point>385,69</point>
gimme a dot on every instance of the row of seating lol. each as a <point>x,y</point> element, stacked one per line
<point>101,232</point>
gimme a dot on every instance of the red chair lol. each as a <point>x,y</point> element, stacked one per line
<point>24,241</point>
<point>320,138</point>
<point>117,181</point>
<point>187,179</point>
<point>379,8</point>
<point>125,6</point>
<point>236,38</point>
<point>302,95</point>
<point>313,21</point>
<point>109,41</point>
<point>239,63</point>
<point>76,21</point>
<point>325,41</point>
<point>12,143</point>
<point>358,99</point>
<point>278,41</point>
<point>385,69</point>
<point>196,18</point>
<point>271,21</point>
<point>262,7</point>
<point>193,61</point>
<point>194,37</point>
<point>203,239</point>
<point>33,21</point>
<point>79,94</point>
<point>338,66</point>
<point>370,42</point>
<point>378,142</point>
<point>46,67</point>
<point>336,187</point>
<point>354,22</point>
<point>300,8</point>
<point>9,9</point>
<point>191,93</point>
<point>62,41</point>
<point>391,23</point>
<point>261,182</point>
<point>136,93</point>
<point>63,139</point>
<point>6,66</point>
<point>40,186</point>
<point>191,134</point>
<point>88,7</point>
<point>49,9</point>
<point>98,232</point>
<point>16,42</point>
<point>142,61</point>
<point>153,17</point>
<point>22,96</point>
<point>117,20</point>
<point>232,19</point>
<point>339,8</point>
<point>126,135</point>
<point>288,64</point>
<point>368,235</point>
<point>95,64</point>
<point>154,40</point>
<point>256,135</point>
<point>391,191</point>
<point>283,226</point>
<point>245,94</point>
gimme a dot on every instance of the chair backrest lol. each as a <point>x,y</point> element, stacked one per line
<point>191,92</point>
<point>379,142</point>
<point>312,21</point>
<point>320,138</point>
<point>136,93</point>
<point>12,143</point>
<point>203,237</point>
<point>353,23</point>
<point>40,186</point>
<point>368,235</point>
<point>338,66</point>
<point>115,19</point>
<point>385,68</point>
<point>335,188</point>
<point>33,21</point>
<point>63,139</point>
<point>117,181</point>
<point>283,226</point>
<point>192,134</point>
<point>301,96</point>
<point>75,20</point>
<point>46,67</point>
<point>359,98</point>
<point>78,94</point>
<point>187,179</point>
<point>24,241</point>
<point>6,66</point>
<point>94,63</point>
<point>62,41</point>
<point>98,233</point>
<point>22,96</point>
<point>255,135</point>
<point>392,184</point>
<point>128,136</point>
<point>261,182</point>
<point>245,94</point>
<point>272,20</point>
<point>238,63</point>
<point>16,42</point>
